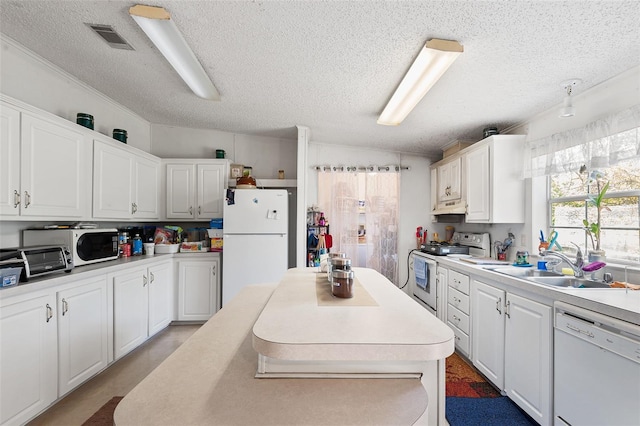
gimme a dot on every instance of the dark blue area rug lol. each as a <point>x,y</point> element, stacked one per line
<point>486,412</point>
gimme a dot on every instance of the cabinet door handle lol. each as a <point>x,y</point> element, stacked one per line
<point>199,210</point>
<point>506,311</point>
<point>27,199</point>
<point>16,199</point>
<point>191,210</point>
<point>455,318</point>
<point>499,305</point>
<point>152,277</point>
<point>134,208</point>
<point>144,280</point>
<point>65,306</point>
<point>49,312</point>
<point>213,270</point>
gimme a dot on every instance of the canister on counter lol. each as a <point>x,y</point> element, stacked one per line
<point>342,283</point>
<point>337,254</point>
<point>337,263</point>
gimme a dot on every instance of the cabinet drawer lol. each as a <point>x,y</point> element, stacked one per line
<point>458,300</point>
<point>458,318</point>
<point>459,281</point>
<point>461,338</point>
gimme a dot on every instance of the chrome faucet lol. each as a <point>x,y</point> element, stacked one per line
<point>576,266</point>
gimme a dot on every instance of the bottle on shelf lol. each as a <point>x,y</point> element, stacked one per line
<point>322,220</point>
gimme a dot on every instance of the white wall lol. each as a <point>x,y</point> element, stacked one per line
<point>30,78</point>
<point>265,154</point>
<point>414,187</point>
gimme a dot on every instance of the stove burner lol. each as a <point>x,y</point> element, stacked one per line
<point>445,249</point>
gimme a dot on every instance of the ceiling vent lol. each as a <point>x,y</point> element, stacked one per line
<point>108,34</point>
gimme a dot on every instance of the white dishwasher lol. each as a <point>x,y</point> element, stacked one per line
<point>596,369</point>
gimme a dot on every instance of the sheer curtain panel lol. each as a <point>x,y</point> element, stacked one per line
<point>362,209</point>
<point>599,144</point>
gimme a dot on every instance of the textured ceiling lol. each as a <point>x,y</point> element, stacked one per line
<point>332,65</point>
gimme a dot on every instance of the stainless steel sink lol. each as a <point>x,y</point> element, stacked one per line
<point>525,272</point>
<point>565,281</point>
<point>549,278</point>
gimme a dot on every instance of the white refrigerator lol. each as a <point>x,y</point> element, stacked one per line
<point>254,239</point>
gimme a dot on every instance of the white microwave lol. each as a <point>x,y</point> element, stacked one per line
<point>86,245</point>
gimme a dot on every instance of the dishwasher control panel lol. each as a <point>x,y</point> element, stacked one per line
<point>605,332</point>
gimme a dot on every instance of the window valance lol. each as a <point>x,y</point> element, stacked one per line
<point>599,144</point>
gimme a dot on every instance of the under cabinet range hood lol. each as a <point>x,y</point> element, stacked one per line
<point>458,206</point>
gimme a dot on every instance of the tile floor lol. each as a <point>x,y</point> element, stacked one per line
<point>117,380</point>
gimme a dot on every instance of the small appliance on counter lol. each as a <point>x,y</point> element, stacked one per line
<point>462,243</point>
<point>443,248</point>
<point>85,245</point>
<point>36,261</point>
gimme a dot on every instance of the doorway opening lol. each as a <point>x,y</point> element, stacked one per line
<point>362,209</point>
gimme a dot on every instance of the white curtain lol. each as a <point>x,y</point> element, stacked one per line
<point>599,144</point>
<point>362,210</point>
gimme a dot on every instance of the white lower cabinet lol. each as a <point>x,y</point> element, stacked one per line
<point>512,347</point>
<point>82,332</point>
<point>458,310</point>
<point>28,357</point>
<point>160,296</point>
<point>130,310</point>
<point>198,284</point>
<point>138,310</point>
<point>52,341</point>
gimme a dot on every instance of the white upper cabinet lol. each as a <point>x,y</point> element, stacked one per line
<point>494,182</point>
<point>195,188</point>
<point>125,183</point>
<point>210,187</point>
<point>478,192</point>
<point>45,167</point>
<point>449,180</point>
<point>9,161</point>
<point>146,190</point>
<point>434,189</point>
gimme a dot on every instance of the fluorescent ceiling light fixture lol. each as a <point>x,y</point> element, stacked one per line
<point>157,24</point>
<point>432,62</point>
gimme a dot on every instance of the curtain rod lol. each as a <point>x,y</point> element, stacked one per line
<point>389,168</point>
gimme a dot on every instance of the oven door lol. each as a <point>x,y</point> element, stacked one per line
<point>424,278</point>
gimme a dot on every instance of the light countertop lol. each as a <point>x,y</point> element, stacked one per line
<point>615,302</point>
<point>210,380</point>
<point>88,271</point>
<point>389,326</point>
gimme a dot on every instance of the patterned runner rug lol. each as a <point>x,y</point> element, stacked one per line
<point>464,381</point>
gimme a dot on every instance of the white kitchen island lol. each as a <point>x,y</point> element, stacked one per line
<point>373,359</point>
